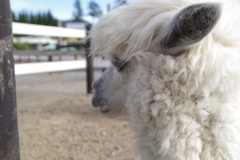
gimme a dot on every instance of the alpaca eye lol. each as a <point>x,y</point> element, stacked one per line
<point>118,63</point>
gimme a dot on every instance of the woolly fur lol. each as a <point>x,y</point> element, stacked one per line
<point>185,107</point>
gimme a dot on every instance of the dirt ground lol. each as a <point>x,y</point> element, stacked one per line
<point>57,121</point>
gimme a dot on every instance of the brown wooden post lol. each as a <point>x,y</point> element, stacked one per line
<point>60,41</point>
<point>50,58</point>
<point>89,59</point>
<point>28,58</point>
<point>20,58</point>
<point>9,141</point>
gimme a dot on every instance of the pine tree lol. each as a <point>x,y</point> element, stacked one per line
<point>94,10</point>
<point>77,13</point>
<point>43,18</point>
<point>23,17</point>
<point>39,18</point>
<point>33,19</point>
<point>13,17</point>
<point>50,19</point>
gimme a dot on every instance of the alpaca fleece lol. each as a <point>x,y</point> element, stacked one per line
<point>183,97</point>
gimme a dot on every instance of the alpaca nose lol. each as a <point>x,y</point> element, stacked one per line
<point>96,84</point>
<point>96,102</point>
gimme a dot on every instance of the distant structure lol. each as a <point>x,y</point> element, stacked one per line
<point>75,24</point>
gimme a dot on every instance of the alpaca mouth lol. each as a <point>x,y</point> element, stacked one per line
<point>102,103</point>
<point>105,109</point>
<point>98,102</point>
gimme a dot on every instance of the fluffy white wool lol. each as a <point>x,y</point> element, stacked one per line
<point>185,107</point>
<point>136,27</point>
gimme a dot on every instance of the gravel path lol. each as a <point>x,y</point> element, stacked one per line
<point>57,121</point>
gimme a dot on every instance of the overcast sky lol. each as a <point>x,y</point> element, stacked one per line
<point>61,9</point>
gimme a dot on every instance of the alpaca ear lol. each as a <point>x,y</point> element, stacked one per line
<point>189,26</point>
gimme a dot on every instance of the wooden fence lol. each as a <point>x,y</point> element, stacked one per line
<point>9,141</point>
<point>40,30</point>
<point>30,56</point>
<point>35,56</point>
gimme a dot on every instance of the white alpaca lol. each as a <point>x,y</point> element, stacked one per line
<point>176,73</point>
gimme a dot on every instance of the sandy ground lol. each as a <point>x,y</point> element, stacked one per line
<point>57,121</point>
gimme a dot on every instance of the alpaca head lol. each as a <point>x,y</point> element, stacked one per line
<point>134,36</point>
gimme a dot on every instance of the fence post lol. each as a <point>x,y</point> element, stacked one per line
<point>9,143</point>
<point>60,41</point>
<point>89,59</point>
<point>49,58</point>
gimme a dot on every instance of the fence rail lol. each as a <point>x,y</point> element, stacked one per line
<point>30,29</point>
<point>47,53</point>
<point>45,67</point>
<point>41,30</point>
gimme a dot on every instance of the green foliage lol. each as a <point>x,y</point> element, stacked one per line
<point>95,10</point>
<point>25,46</point>
<point>23,17</point>
<point>78,12</point>
<point>13,17</point>
<point>43,18</point>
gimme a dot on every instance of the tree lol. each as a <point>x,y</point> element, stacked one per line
<point>13,17</point>
<point>40,19</point>
<point>44,18</point>
<point>50,19</point>
<point>94,10</point>
<point>77,13</point>
<point>23,17</point>
<point>119,3</point>
<point>33,19</point>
